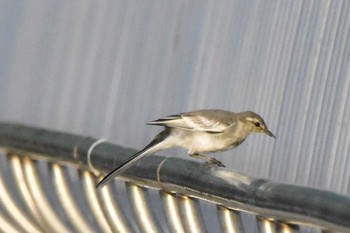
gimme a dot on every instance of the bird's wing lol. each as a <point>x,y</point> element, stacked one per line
<point>211,121</point>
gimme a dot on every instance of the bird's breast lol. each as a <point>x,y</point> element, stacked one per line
<point>201,142</point>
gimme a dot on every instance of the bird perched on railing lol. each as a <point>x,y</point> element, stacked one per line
<point>199,132</point>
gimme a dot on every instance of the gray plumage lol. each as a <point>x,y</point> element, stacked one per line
<point>199,132</point>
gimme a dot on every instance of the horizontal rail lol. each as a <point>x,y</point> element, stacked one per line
<point>288,203</point>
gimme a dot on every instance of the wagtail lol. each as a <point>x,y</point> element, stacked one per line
<point>199,132</point>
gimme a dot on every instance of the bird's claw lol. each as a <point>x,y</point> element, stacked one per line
<point>219,164</point>
<point>212,162</point>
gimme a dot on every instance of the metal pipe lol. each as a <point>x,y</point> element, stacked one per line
<point>291,203</point>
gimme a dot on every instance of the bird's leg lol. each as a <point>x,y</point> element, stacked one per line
<point>209,159</point>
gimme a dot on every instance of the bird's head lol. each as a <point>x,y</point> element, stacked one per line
<point>255,123</point>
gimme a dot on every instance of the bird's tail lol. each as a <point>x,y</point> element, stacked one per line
<point>155,145</point>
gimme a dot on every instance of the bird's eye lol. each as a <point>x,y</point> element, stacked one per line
<point>257,124</point>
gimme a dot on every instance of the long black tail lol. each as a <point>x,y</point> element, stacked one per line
<point>155,145</point>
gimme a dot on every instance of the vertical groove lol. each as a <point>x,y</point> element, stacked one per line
<point>142,209</point>
<point>114,212</point>
<point>265,225</point>
<point>230,220</point>
<point>44,206</point>
<point>172,212</point>
<point>191,214</point>
<point>6,226</point>
<point>24,190</point>
<point>18,216</point>
<point>67,201</point>
<point>95,207</point>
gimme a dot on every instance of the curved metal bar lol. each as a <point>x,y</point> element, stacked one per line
<point>172,212</point>
<point>287,228</point>
<point>291,203</point>
<point>96,209</point>
<point>139,202</point>
<point>270,226</point>
<point>24,190</point>
<point>6,226</point>
<point>52,220</point>
<point>192,215</point>
<point>15,212</point>
<point>114,211</point>
<point>266,225</point>
<point>230,220</point>
<point>67,201</point>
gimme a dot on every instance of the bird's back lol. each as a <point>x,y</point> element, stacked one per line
<point>209,120</point>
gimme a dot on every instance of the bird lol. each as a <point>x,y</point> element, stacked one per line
<point>201,131</point>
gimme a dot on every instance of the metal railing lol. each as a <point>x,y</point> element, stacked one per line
<point>38,196</point>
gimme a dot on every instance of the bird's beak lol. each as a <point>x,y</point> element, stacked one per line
<point>268,132</point>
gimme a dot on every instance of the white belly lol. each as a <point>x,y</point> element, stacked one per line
<point>203,142</point>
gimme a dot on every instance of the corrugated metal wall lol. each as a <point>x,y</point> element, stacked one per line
<point>104,68</point>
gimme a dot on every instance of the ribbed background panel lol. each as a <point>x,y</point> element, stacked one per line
<point>104,68</point>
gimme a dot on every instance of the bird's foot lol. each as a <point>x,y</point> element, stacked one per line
<point>210,161</point>
<point>213,161</point>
